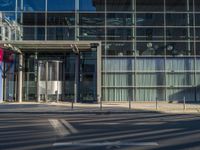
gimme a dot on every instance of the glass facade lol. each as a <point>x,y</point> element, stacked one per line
<point>150,48</point>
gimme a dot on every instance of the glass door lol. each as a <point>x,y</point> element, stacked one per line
<point>50,80</point>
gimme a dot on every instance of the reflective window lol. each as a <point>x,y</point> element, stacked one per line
<point>178,5</point>
<point>91,5</point>
<point>176,19</point>
<point>33,33</point>
<point>197,5</point>
<point>61,19</point>
<point>7,5</point>
<point>121,5</point>
<point>150,48</point>
<point>120,48</point>
<point>179,48</point>
<point>197,19</point>
<point>61,5</point>
<point>92,33</point>
<point>149,19</point>
<point>120,33</point>
<point>177,33</point>
<point>92,19</point>
<point>198,50</point>
<point>150,33</point>
<point>120,19</point>
<point>149,5</point>
<point>60,33</point>
<point>34,19</point>
<point>34,5</point>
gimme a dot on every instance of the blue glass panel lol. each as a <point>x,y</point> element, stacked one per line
<point>7,5</point>
<point>61,5</point>
<point>34,5</point>
<point>91,5</point>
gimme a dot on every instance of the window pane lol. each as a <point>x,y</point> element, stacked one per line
<point>60,33</point>
<point>149,19</point>
<point>33,33</point>
<point>150,33</point>
<point>179,64</point>
<point>120,48</point>
<point>177,33</point>
<point>176,19</point>
<point>33,19</point>
<point>92,34</point>
<point>150,48</point>
<point>61,5</point>
<point>7,5</point>
<point>92,19</point>
<point>91,5</point>
<point>178,5</point>
<point>150,5</point>
<point>179,48</point>
<point>34,5</point>
<point>122,19</point>
<point>120,33</point>
<point>61,19</point>
<point>121,5</point>
<point>197,5</point>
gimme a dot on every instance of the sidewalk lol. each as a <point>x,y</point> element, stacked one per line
<point>65,107</point>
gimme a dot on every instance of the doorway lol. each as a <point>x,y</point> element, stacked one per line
<point>50,80</point>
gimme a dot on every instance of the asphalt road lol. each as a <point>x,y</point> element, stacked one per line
<point>107,131</point>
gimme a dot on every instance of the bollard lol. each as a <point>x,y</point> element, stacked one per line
<point>100,101</point>
<point>129,104</point>
<point>156,103</point>
<point>72,106</point>
<point>184,105</point>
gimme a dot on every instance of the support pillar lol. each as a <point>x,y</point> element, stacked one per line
<point>76,83</point>
<point>20,78</point>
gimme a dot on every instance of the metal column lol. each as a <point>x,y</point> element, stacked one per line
<point>76,83</point>
<point>20,78</point>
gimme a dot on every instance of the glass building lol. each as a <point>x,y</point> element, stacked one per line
<point>86,50</point>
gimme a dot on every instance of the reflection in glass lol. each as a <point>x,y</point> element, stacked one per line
<point>180,5</point>
<point>177,34</point>
<point>33,33</point>
<point>61,19</point>
<point>92,33</point>
<point>150,33</point>
<point>60,5</point>
<point>150,48</point>
<point>91,5</point>
<point>32,19</point>
<point>60,33</point>
<point>150,5</point>
<point>7,5</point>
<point>34,5</point>
<point>149,19</point>
<point>178,19</point>
<point>121,5</point>
<point>120,19</point>
<point>120,33</point>
<point>92,19</point>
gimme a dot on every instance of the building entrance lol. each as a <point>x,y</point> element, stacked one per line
<point>50,80</point>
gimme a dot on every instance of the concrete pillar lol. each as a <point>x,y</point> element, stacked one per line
<point>20,78</point>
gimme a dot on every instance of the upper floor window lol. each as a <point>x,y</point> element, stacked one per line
<point>61,5</point>
<point>7,5</point>
<point>34,5</point>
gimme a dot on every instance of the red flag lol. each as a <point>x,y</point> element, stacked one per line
<point>1,54</point>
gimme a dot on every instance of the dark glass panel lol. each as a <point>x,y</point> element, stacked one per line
<point>34,19</point>
<point>34,5</point>
<point>177,33</point>
<point>92,19</point>
<point>179,48</point>
<point>198,48</point>
<point>33,33</point>
<point>119,5</point>
<point>150,5</point>
<point>150,48</point>
<point>120,48</point>
<point>91,5</point>
<point>92,33</point>
<point>120,19</point>
<point>197,5</point>
<point>61,19</point>
<point>149,19</point>
<point>150,33</point>
<point>60,5</point>
<point>120,33</point>
<point>176,19</point>
<point>60,33</point>
<point>197,19</point>
<point>7,5</point>
<point>179,5</point>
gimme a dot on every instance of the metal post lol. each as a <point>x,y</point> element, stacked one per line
<point>129,100</point>
<point>72,106</point>
<point>76,78</point>
<point>20,78</point>
<point>156,103</point>
<point>184,105</point>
